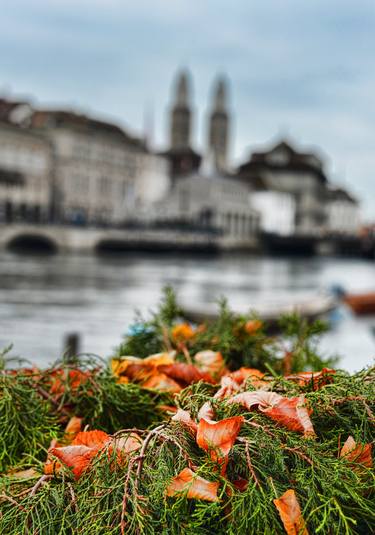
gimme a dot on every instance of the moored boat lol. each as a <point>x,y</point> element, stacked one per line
<point>361,303</point>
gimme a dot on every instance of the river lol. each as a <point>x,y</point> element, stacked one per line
<point>44,297</point>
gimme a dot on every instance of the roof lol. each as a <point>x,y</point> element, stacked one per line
<point>340,194</point>
<point>69,119</point>
<point>281,157</point>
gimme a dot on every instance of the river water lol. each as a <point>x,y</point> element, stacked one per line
<point>42,298</point>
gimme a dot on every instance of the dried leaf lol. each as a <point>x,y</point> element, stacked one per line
<point>185,418</point>
<point>253,326</point>
<point>217,438</point>
<point>243,374</point>
<point>163,383</point>
<point>317,379</point>
<point>73,428</point>
<point>24,474</point>
<point>185,374</point>
<point>92,439</point>
<point>228,387</point>
<point>78,458</point>
<point>357,453</point>
<point>206,412</point>
<point>290,513</point>
<point>195,486</point>
<point>211,362</point>
<point>289,412</point>
<point>182,332</point>
<point>140,370</point>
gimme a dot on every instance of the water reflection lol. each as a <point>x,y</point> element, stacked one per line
<point>44,297</point>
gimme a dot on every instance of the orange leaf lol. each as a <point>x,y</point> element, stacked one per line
<point>357,453</point>
<point>182,332</point>
<point>317,379</point>
<point>228,387</point>
<point>139,370</point>
<point>289,412</point>
<point>252,326</point>
<point>211,362</point>
<point>76,457</point>
<point>217,438</point>
<point>73,428</point>
<point>195,486</point>
<point>161,381</point>
<point>290,513</point>
<point>241,375</point>
<point>185,373</point>
<point>91,439</point>
<point>206,412</point>
<point>185,418</point>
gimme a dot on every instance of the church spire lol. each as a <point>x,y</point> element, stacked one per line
<point>219,125</point>
<point>180,126</point>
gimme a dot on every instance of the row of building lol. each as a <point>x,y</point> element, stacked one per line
<point>62,166</point>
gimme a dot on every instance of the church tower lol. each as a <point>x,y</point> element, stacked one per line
<point>180,126</point>
<point>218,135</point>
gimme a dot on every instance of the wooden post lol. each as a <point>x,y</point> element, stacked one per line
<point>71,346</point>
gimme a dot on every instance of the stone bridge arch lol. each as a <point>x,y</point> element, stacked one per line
<point>30,238</point>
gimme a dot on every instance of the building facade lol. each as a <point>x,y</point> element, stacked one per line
<point>284,169</point>
<point>343,216</point>
<point>208,200</point>
<point>25,175</point>
<point>96,165</point>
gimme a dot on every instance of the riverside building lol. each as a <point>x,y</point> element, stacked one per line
<point>25,169</point>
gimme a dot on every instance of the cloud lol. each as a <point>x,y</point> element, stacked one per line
<point>304,67</point>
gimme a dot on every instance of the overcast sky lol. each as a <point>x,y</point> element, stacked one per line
<point>301,68</point>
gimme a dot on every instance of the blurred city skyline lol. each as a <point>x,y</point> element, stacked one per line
<point>301,70</point>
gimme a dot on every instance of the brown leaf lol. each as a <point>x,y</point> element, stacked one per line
<point>211,362</point>
<point>72,428</point>
<point>290,513</point>
<point>317,379</point>
<point>92,439</point>
<point>163,383</point>
<point>185,418</point>
<point>195,486</point>
<point>185,374</point>
<point>243,374</point>
<point>217,438</point>
<point>357,453</point>
<point>78,458</point>
<point>289,412</point>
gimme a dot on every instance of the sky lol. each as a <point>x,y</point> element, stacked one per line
<point>301,69</point>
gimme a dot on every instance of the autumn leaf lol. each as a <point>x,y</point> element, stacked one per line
<point>290,513</point>
<point>92,439</point>
<point>163,383</point>
<point>289,412</point>
<point>185,374</point>
<point>78,458</point>
<point>185,418</point>
<point>228,387</point>
<point>252,326</point>
<point>195,486</point>
<point>317,379</point>
<point>211,362</point>
<point>357,453</point>
<point>243,374</point>
<point>140,370</point>
<point>206,412</point>
<point>72,428</point>
<point>217,438</point>
<point>182,332</point>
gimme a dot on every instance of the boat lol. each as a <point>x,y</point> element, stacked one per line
<point>361,303</point>
<point>312,308</point>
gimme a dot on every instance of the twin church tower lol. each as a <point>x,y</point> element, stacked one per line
<point>181,154</point>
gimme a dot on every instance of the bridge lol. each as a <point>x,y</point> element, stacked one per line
<point>63,238</point>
